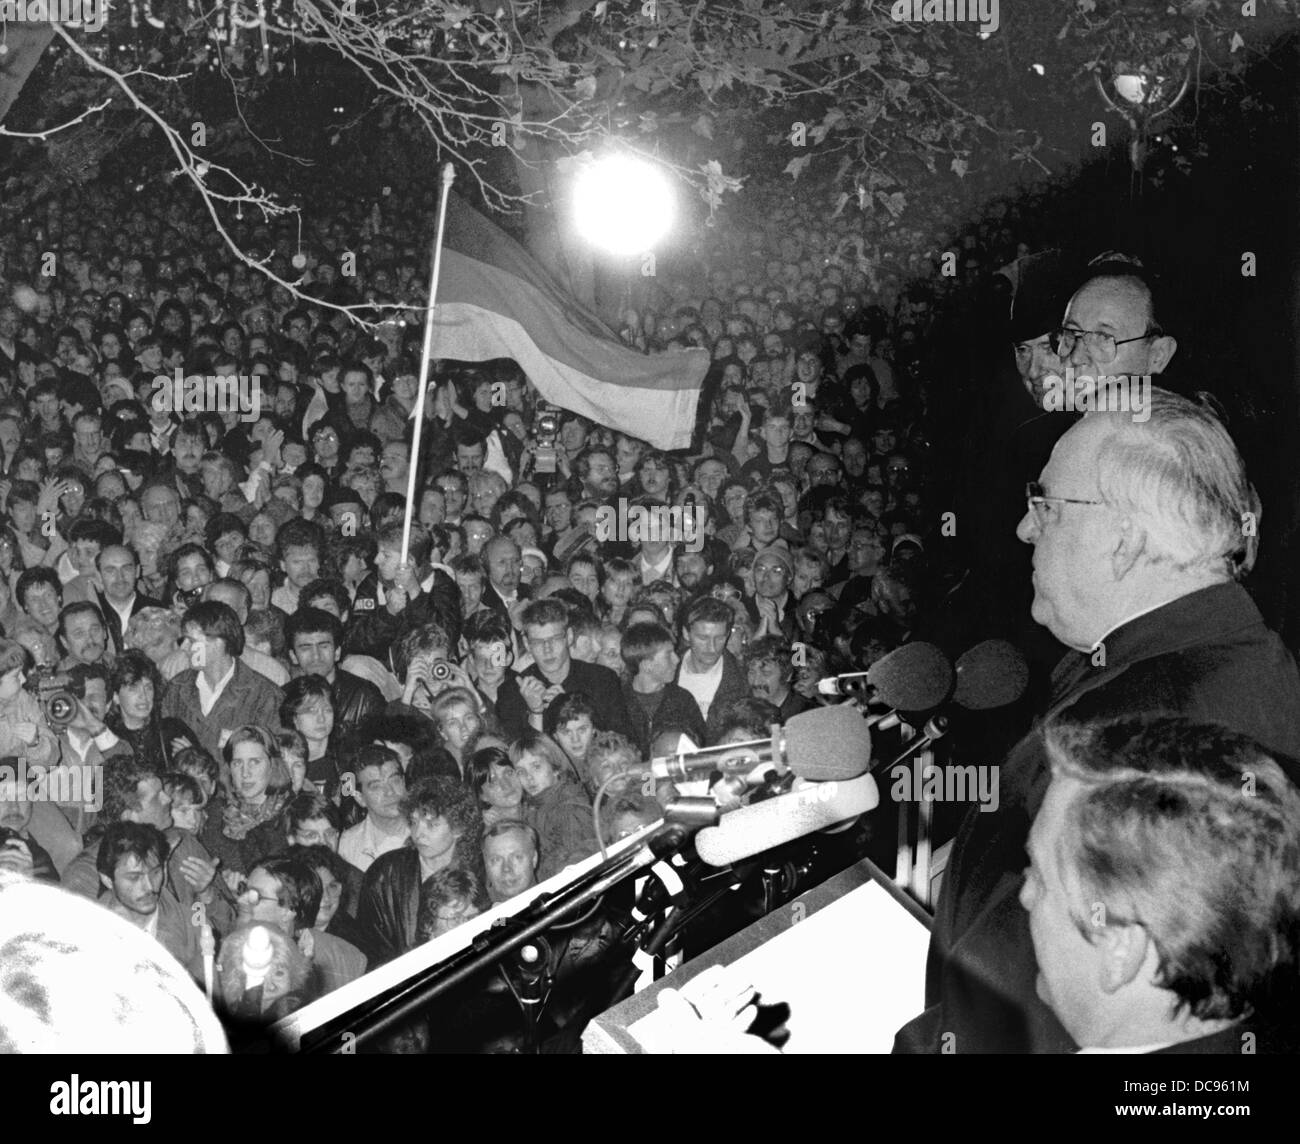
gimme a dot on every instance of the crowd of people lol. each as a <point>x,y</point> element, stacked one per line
<point>300,720</point>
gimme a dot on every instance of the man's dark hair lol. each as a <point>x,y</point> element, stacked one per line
<point>707,610</point>
<point>487,626</point>
<point>542,612</point>
<point>122,787</point>
<point>78,608</point>
<point>79,674</point>
<point>300,889</point>
<point>641,641</point>
<point>217,621</point>
<point>305,806</point>
<point>311,621</point>
<point>89,528</point>
<point>753,716</point>
<point>374,755</point>
<point>299,533</point>
<point>31,578</point>
<point>130,840</point>
<point>330,587</point>
<point>319,856</point>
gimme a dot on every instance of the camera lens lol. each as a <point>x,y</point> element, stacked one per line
<point>61,708</point>
<point>440,671</point>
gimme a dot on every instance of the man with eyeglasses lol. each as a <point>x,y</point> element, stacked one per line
<point>522,700</point>
<point>1142,532</point>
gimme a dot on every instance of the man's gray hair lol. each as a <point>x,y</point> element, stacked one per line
<point>1180,474</point>
<point>513,826</point>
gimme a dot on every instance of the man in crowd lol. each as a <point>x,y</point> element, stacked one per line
<point>708,671</point>
<point>523,699</point>
<point>315,640</point>
<point>511,851</point>
<point>218,692</point>
<point>378,789</point>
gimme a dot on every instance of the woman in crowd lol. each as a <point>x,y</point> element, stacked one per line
<point>243,824</point>
<point>554,805</point>
<point>308,708</point>
<point>492,777</point>
<point>133,714</point>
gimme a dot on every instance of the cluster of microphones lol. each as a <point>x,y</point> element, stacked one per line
<point>822,757</point>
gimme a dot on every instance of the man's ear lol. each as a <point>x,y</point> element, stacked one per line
<point>1163,349</point>
<point>1125,949</point>
<point>1129,547</point>
<point>105,880</point>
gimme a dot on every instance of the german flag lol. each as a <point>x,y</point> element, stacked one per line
<point>496,301</point>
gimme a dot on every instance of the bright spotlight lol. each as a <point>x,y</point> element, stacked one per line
<point>623,205</point>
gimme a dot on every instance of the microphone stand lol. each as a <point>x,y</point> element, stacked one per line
<point>403,1002</point>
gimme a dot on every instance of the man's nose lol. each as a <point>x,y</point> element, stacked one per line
<point>1027,529</point>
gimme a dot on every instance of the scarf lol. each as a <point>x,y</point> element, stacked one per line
<point>239,818</point>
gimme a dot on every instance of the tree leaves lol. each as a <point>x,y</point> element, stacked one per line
<point>796,166</point>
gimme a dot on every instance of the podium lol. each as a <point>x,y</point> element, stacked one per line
<point>848,957</point>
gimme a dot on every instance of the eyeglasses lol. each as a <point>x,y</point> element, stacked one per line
<point>544,643</point>
<point>1042,506</point>
<point>1102,347</point>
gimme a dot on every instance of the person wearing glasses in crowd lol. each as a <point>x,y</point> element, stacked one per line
<point>522,700</point>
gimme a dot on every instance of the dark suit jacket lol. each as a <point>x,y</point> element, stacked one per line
<point>1208,656</point>
<point>389,907</point>
<point>248,698</point>
<point>677,711</point>
<point>354,699</point>
<point>373,630</point>
<point>492,599</point>
<point>599,684</point>
<point>110,616</point>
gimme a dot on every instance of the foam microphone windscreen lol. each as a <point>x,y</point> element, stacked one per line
<point>827,743</point>
<point>991,674</point>
<point>914,677</point>
<point>754,829</point>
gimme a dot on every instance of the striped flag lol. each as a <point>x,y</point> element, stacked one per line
<point>496,301</point>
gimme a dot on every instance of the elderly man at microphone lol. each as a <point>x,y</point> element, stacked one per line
<point>1142,532</point>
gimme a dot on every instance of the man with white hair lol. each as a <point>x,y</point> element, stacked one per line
<point>1141,534</point>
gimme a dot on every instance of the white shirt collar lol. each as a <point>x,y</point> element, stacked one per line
<point>208,696</point>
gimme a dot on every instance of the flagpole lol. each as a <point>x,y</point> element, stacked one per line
<point>448,174</point>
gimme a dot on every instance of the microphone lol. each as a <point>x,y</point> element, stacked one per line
<point>991,674</point>
<point>765,825</point>
<point>914,677</point>
<point>822,744</point>
<point>935,728</point>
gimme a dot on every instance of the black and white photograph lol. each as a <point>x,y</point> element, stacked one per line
<point>651,527</point>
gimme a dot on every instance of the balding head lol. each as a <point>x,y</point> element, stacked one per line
<point>231,593</point>
<point>503,561</point>
<point>1120,305</point>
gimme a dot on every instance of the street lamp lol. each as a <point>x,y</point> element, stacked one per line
<point>1144,98</point>
<point>622,204</point>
